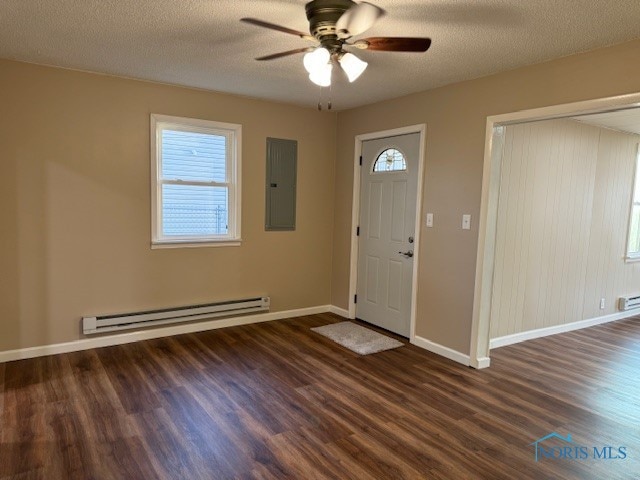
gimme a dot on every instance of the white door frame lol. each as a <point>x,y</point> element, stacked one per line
<point>479,348</point>
<point>355,215</point>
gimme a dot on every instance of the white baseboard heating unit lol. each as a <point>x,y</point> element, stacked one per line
<point>110,323</point>
<point>629,302</point>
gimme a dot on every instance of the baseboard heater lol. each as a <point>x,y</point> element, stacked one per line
<point>629,302</point>
<point>110,323</point>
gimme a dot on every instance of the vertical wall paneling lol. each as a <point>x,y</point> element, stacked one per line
<point>562,225</point>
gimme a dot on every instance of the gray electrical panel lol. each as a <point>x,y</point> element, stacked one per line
<point>282,159</point>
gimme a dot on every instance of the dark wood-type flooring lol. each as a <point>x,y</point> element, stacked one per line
<point>275,400</point>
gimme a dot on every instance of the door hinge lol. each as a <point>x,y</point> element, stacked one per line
<point>355,299</point>
<point>360,159</point>
<point>357,231</point>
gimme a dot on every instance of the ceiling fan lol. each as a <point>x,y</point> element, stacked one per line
<point>334,23</point>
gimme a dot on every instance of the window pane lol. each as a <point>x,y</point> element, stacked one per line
<point>634,231</point>
<point>193,156</point>
<point>636,187</point>
<point>194,210</point>
<point>391,160</point>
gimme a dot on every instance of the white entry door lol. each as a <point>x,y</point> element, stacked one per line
<point>388,195</point>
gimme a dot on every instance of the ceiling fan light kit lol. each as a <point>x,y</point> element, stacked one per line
<point>316,59</point>
<point>333,23</point>
<point>319,65</point>
<point>352,66</point>
<point>322,76</point>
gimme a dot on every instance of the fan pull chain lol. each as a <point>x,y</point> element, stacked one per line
<point>320,99</point>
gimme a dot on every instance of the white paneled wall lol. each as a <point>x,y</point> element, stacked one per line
<point>562,225</point>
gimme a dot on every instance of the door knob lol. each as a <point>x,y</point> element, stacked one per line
<point>408,254</point>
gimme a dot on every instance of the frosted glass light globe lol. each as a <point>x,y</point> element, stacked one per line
<point>352,66</point>
<point>316,60</point>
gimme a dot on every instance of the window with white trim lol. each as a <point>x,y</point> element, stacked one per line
<point>195,167</point>
<point>633,245</point>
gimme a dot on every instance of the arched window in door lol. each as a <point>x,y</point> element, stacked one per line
<point>390,160</point>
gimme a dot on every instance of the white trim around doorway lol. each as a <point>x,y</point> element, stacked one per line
<point>479,348</point>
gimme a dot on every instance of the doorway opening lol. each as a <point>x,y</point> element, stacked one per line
<point>490,216</point>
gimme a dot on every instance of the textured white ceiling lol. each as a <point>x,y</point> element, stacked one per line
<point>627,120</point>
<point>202,43</point>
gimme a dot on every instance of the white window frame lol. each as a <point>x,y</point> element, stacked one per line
<point>233,134</point>
<point>633,256</point>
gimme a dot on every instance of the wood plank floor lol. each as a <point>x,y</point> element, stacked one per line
<point>275,400</point>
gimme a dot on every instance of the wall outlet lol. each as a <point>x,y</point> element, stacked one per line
<point>429,219</point>
<point>602,304</point>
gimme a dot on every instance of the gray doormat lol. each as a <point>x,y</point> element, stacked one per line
<point>357,338</point>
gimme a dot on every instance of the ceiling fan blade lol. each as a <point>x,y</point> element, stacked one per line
<point>394,44</point>
<point>279,28</point>
<point>357,19</point>
<point>285,54</point>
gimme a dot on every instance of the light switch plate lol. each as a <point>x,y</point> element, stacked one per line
<point>429,219</point>
<point>466,222</point>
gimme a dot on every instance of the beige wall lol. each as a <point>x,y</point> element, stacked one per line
<point>74,194</point>
<point>563,214</point>
<point>456,118</point>
<point>75,204</point>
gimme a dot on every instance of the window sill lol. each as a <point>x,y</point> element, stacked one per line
<point>632,258</point>
<point>191,244</point>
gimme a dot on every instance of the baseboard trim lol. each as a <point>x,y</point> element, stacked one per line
<point>339,311</point>
<point>441,350</point>
<point>567,327</point>
<point>480,363</point>
<point>130,337</point>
